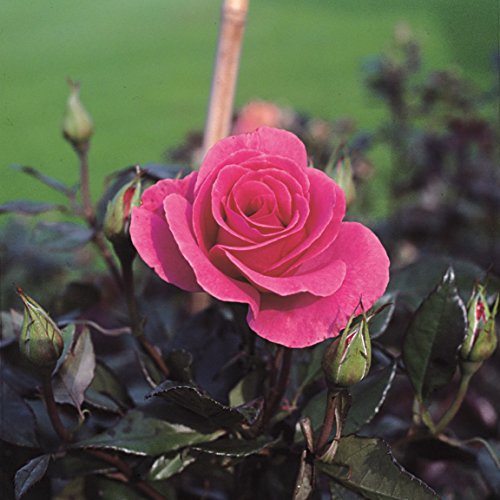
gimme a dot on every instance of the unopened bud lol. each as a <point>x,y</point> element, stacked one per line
<point>119,210</point>
<point>347,359</point>
<point>77,124</point>
<point>342,175</point>
<point>481,339</point>
<point>41,340</point>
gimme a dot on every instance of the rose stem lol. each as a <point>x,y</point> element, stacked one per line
<point>457,403</point>
<point>128,472</point>
<point>328,421</point>
<point>82,151</point>
<point>55,419</point>
<point>220,106</point>
<point>278,381</point>
<point>329,454</point>
<point>135,319</point>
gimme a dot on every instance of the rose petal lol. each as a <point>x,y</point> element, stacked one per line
<point>304,320</point>
<point>152,238</point>
<point>264,140</point>
<point>179,214</point>
<point>322,282</point>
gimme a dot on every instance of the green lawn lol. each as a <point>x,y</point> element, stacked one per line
<point>145,68</point>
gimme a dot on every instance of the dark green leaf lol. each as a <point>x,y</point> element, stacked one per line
<point>433,338</point>
<point>62,236</point>
<point>247,389</point>
<point>367,466</point>
<point>304,484</point>
<point>158,171</point>
<point>30,474</point>
<point>101,488</point>
<point>11,323</point>
<point>67,333</point>
<point>367,398</point>
<point>339,492</point>
<point>17,423</point>
<point>76,372</point>
<point>140,435</point>
<point>193,399</point>
<point>72,490</point>
<point>379,323</point>
<point>488,460</point>
<point>232,447</point>
<point>28,207</point>
<point>151,372</point>
<point>106,391</point>
<point>45,179</point>
<point>76,463</point>
<point>165,467</point>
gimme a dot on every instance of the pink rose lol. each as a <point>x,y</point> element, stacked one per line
<point>256,225</point>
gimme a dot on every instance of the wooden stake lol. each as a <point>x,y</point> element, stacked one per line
<point>227,60</point>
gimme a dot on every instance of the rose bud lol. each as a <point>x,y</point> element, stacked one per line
<point>41,340</point>
<point>77,124</point>
<point>342,175</point>
<point>480,340</point>
<point>347,359</point>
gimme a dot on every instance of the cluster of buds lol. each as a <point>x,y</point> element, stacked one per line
<point>40,341</point>
<point>347,359</point>
<point>118,213</point>
<point>480,340</point>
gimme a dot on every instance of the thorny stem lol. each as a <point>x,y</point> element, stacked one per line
<point>128,472</point>
<point>55,419</point>
<point>329,454</point>
<point>455,406</point>
<point>135,318</point>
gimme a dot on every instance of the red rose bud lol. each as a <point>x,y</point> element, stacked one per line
<point>481,339</point>
<point>41,340</point>
<point>77,124</point>
<point>347,359</point>
<point>342,175</point>
<point>119,209</point>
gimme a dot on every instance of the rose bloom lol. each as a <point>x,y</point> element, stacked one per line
<point>256,225</point>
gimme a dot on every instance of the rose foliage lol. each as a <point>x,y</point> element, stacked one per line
<point>257,225</point>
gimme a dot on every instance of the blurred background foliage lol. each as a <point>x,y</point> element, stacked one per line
<point>145,69</point>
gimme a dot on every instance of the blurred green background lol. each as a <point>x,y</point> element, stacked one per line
<point>145,69</point>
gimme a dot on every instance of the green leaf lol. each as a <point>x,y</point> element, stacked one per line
<point>45,179</point>
<point>28,207</point>
<point>17,423</point>
<point>366,465</point>
<point>30,474</point>
<point>488,459</point>
<point>179,362</point>
<point>192,398</point>
<point>367,398</point>
<point>141,435</point>
<point>76,372</point>
<point>62,236</point>
<point>339,492</point>
<point>379,323</point>
<point>232,447</point>
<point>247,389</point>
<point>433,338</point>
<point>166,467</point>
<point>73,490</point>
<point>304,484</point>
<point>106,390</point>
<point>68,334</point>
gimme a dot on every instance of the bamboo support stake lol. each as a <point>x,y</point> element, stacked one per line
<point>220,108</point>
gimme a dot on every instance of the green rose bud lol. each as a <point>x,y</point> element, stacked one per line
<point>41,340</point>
<point>481,339</point>
<point>77,124</point>
<point>343,176</point>
<point>347,359</point>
